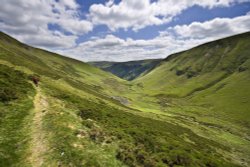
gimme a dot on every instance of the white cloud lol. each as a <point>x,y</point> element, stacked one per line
<point>69,3</point>
<point>29,20</point>
<point>48,39</point>
<point>172,40</point>
<point>214,29</point>
<point>112,48</point>
<point>124,15</point>
<point>137,14</point>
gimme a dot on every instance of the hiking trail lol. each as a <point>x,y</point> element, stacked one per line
<point>38,140</point>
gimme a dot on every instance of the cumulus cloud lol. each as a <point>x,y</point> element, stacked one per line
<point>172,40</point>
<point>29,20</point>
<point>141,13</point>
<point>112,48</point>
<point>49,39</point>
<point>216,28</point>
<point>127,14</point>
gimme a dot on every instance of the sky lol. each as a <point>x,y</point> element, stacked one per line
<point>122,30</point>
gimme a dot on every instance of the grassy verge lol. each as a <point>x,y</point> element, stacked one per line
<point>15,107</point>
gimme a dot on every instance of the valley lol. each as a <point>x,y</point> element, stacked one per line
<point>189,109</point>
<point>127,70</point>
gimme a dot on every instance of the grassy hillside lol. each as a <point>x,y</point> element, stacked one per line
<point>210,84</point>
<point>79,115</point>
<point>128,70</point>
<point>216,73</point>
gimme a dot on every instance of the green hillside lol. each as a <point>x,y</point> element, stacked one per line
<point>191,110</point>
<point>216,73</point>
<point>210,84</point>
<point>128,70</point>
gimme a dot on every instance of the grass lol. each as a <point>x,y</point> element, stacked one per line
<point>15,109</point>
<point>138,140</point>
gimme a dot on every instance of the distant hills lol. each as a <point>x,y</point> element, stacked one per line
<point>127,70</point>
<point>190,109</point>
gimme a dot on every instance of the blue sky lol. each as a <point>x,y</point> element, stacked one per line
<point>194,13</point>
<point>122,30</point>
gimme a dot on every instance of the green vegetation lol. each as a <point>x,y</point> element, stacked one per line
<point>13,84</point>
<point>128,70</point>
<point>15,108</point>
<point>132,139</point>
<point>190,110</point>
<point>212,74</point>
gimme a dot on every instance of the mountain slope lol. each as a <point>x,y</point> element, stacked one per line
<point>212,78</point>
<point>219,58</point>
<point>24,129</point>
<point>127,70</point>
<point>82,116</point>
<point>207,72</point>
<point>209,83</point>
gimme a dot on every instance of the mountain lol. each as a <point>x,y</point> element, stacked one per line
<point>190,110</point>
<point>215,73</point>
<point>127,70</point>
<point>210,82</point>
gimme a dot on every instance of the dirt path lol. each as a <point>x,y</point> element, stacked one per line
<point>38,143</point>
